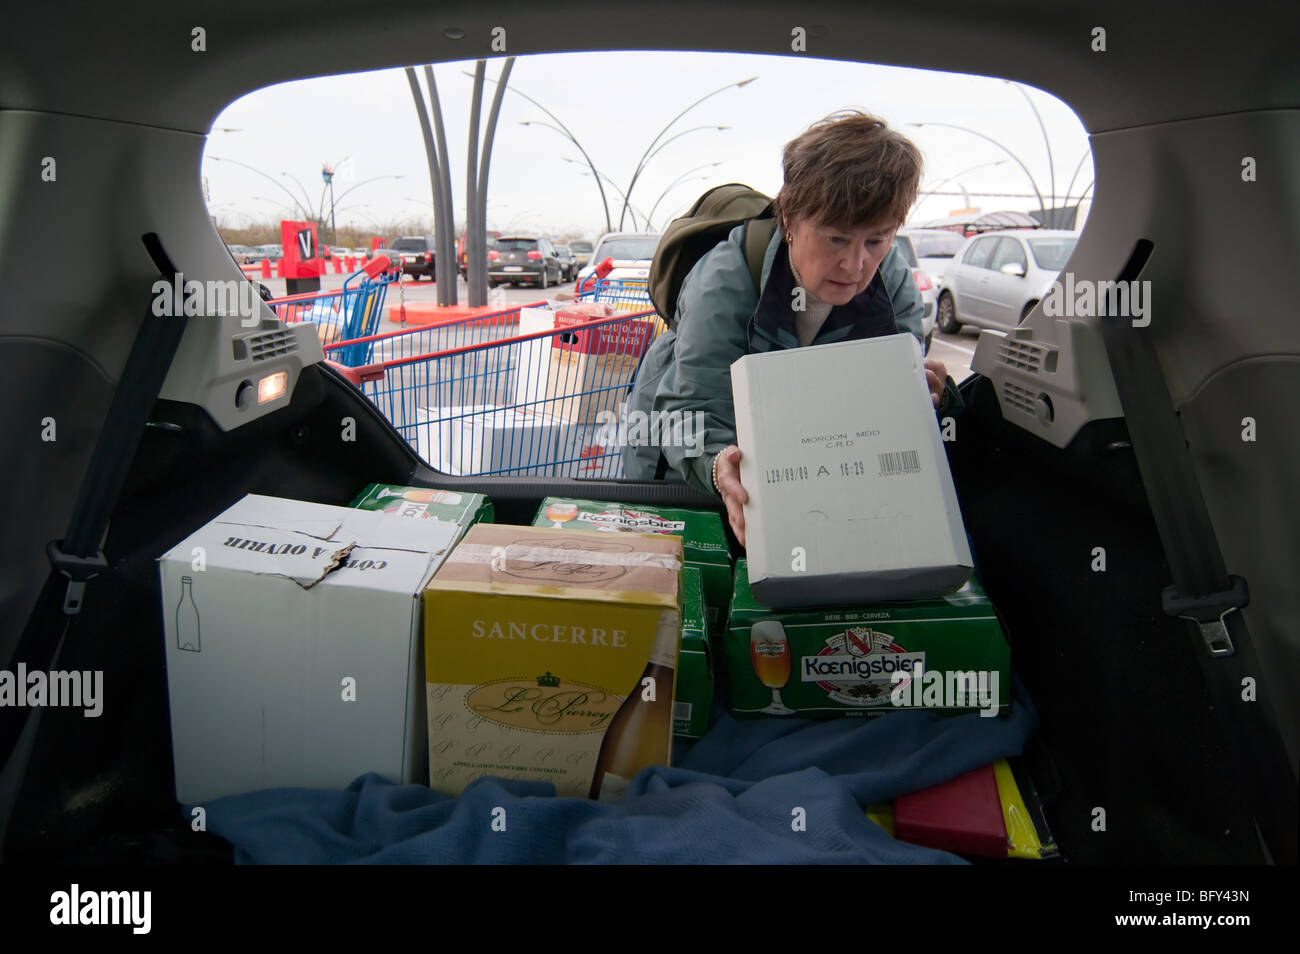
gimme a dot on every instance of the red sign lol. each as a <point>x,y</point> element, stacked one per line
<point>625,336</point>
<point>301,250</point>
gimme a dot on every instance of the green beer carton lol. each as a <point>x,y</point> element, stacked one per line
<point>427,503</point>
<point>704,542</point>
<point>945,654</point>
<point>694,693</point>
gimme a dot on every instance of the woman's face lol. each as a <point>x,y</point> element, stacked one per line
<point>836,265</point>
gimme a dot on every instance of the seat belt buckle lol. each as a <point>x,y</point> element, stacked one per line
<point>1209,612</point>
<point>78,569</point>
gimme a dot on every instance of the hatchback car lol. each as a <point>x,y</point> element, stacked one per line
<point>1164,695</point>
<point>996,278</point>
<point>568,264</point>
<point>519,258</point>
<point>632,253</point>
<point>581,250</point>
<point>907,240</point>
<point>934,250</point>
<point>417,255</point>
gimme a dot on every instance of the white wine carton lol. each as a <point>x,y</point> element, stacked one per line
<point>293,647</point>
<point>850,496</point>
<point>551,656</point>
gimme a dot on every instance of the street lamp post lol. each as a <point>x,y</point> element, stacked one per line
<point>672,185</point>
<point>957,175</point>
<point>567,132</point>
<point>568,135</point>
<point>278,185</point>
<point>1051,164</point>
<point>973,132</point>
<point>671,122</point>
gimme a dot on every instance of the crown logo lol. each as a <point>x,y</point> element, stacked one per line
<point>548,680</point>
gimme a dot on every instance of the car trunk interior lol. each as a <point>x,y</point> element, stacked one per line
<point>1127,726</point>
<point>101,790</point>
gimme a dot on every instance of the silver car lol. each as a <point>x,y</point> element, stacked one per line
<point>998,277</point>
<point>906,241</point>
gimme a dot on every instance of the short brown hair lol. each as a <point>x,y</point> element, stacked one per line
<point>849,170</point>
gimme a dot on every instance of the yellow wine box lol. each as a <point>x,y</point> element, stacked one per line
<point>551,655</point>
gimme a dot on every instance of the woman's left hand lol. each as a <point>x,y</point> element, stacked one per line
<point>935,376</point>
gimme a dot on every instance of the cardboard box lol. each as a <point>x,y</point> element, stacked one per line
<point>693,697</point>
<point>487,439</point>
<point>293,648</point>
<point>427,503</point>
<point>589,451</point>
<point>704,542</point>
<point>629,336</point>
<point>580,386</point>
<point>867,660</point>
<point>850,496</point>
<point>552,656</point>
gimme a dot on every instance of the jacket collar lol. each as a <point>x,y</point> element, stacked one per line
<point>866,315</point>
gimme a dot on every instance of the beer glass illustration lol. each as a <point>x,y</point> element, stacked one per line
<point>769,651</point>
<point>561,513</point>
<point>420,495</point>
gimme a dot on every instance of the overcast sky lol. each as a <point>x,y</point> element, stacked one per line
<point>615,104</point>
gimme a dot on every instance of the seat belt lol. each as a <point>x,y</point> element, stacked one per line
<point>78,558</point>
<point>1203,592</point>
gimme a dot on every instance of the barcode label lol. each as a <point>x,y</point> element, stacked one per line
<point>893,463</point>
<point>682,711</point>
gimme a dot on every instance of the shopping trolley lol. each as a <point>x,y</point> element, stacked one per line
<point>479,395</point>
<point>350,314</point>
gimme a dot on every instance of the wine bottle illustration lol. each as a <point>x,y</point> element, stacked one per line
<point>187,619</point>
<point>639,733</point>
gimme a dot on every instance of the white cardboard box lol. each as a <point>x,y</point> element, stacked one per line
<point>850,497</point>
<point>260,661</point>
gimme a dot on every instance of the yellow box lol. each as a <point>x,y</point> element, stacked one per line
<point>550,655</point>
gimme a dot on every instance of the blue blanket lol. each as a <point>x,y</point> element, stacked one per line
<point>732,797</point>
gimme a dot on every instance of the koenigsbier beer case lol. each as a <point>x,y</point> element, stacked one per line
<point>551,656</point>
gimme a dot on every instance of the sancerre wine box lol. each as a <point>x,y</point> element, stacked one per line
<point>551,655</point>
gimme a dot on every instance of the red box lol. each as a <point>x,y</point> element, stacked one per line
<point>963,815</point>
<point>630,336</point>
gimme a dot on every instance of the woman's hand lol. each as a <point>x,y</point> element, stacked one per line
<point>935,375</point>
<point>733,495</point>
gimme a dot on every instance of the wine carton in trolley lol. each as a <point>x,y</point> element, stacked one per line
<point>704,543</point>
<point>461,508</point>
<point>293,647</point>
<point>946,654</point>
<point>551,656</point>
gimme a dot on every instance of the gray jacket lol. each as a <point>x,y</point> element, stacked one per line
<point>721,318</point>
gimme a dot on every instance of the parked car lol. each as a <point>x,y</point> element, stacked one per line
<point>581,250</point>
<point>273,252</point>
<point>243,254</point>
<point>568,264</point>
<point>416,253</point>
<point>906,242</point>
<point>997,278</point>
<point>934,250</point>
<point>462,257</point>
<point>522,257</point>
<point>632,253</point>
